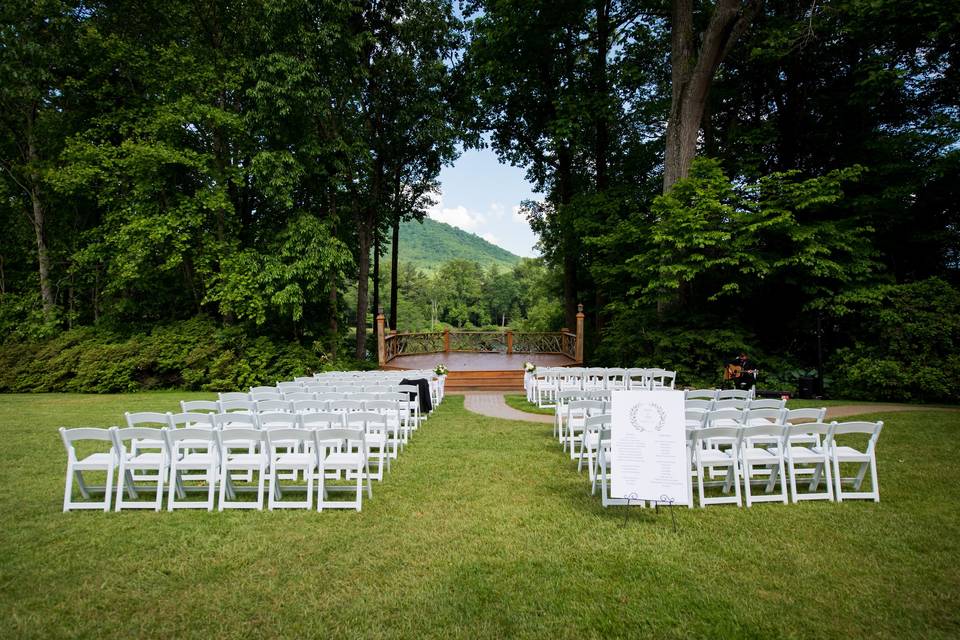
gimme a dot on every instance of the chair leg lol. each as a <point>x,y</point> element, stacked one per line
<point>68,489</point>
<point>108,489</point>
<point>225,473</point>
<point>874,480</point>
<point>860,475</point>
<point>359,496</point>
<point>837,483</point>
<point>173,488</point>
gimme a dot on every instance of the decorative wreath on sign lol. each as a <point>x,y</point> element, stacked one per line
<point>646,415</point>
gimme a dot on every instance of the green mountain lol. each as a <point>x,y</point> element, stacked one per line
<point>429,244</point>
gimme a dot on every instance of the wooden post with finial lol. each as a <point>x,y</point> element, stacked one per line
<point>381,339</point>
<point>579,349</point>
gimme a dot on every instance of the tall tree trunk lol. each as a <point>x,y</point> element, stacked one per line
<point>570,257</point>
<point>43,256</point>
<point>394,267</point>
<point>38,218</point>
<point>692,73</point>
<point>376,283</point>
<point>363,285</point>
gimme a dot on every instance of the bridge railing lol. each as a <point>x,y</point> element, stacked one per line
<point>507,341</point>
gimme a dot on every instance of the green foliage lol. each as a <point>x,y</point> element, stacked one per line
<point>193,354</point>
<point>906,345</point>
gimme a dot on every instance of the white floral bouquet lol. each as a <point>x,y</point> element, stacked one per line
<point>441,370</point>
<point>529,367</point>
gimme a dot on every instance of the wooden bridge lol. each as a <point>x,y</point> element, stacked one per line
<point>486,360</point>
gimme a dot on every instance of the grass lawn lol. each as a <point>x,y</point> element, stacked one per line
<point>483,529</point>
<point>519,402</point>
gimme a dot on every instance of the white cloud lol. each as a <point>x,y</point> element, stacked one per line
<point>458,216</point>
<point>492,239</point>
<point>497,210</point>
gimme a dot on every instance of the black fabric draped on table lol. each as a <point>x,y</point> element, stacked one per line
<point>423,394</point>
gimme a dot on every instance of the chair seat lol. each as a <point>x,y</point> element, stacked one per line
<point>295,460</point>
<point>197,459</point>
<point>715,456</point>
<point>849,454</point>
<point>245,459</point>
<point>94,461</point>
<point>759,422</point>
<point>804,454</point>
<point>756,455</point>
<point>145,459</point>
<point>150,444</point>
<point>343,460</point>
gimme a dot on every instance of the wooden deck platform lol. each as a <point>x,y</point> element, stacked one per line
<point>480,371</point>
<point>467,361</point>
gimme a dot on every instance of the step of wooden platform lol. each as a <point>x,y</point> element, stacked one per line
<point>459,381</point>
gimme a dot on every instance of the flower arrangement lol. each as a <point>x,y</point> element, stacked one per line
<point>529,367</point>
<point>441,370</point>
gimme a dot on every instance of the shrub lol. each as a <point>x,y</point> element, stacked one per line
<point>194,354</point>
<point>905,345</point>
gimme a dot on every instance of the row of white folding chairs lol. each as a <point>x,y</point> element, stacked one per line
<point>698,413</point>
<point>297,403</point>
<point>734,403</point>
<point>544,385</point>
<point>268,393</point>
<point>401,422</point>
<point>719,394</point>
<point>732,416</point>
<point>368,378</point>
<point>218,454</point>
<point>769,454</point>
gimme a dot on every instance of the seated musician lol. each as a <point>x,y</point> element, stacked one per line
<point>741,371</point>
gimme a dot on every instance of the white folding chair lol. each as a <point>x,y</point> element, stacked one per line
<point>701,394</point>
<point>815,454</point>
<point>662,379</point>
<point>150,420</point>
<point>594,422</point>
<point>104,461</point>
<point>191,449</point>
<point>132,459</point>
<point>199,406</point>
<point>734,394</point>
<point>391,411</point>
<point>238,406</point>
<point>233,396</point>
<point>732,403</point>
<point>235,446</point>
<point>344,451</point>
<point>299,396</point>
<point>577,413</point>
<point>273,391</point>
<point>866,458</point>
<point>374,426</point>
<point>752,455</point>
<point>274,406</point>
<point>638,378</point>
<point>708,457</point>
<point>767,403</point>
<point>301,460</point>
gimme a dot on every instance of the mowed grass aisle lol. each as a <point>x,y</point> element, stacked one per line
<point>483,529</point>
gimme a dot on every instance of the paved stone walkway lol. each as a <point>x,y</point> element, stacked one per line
<point>492,404</point>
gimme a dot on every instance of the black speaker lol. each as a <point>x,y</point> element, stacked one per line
<point>806,386</point>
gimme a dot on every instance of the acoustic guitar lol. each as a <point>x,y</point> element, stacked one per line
<point>732,371</point>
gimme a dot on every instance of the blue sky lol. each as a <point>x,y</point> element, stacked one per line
<point>480,195</point>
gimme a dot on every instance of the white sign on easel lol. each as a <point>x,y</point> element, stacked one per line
<point>648,446</point>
